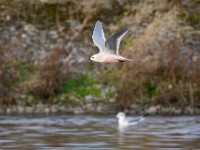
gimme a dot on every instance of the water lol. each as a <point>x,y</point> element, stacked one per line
<point>98,133</point>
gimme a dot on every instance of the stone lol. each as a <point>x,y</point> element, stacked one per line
<point>28,109</point>
<point>14,109</point>
<point>43,37</point>
<point>177,111</point>
<point>90,107</point>
<point>88,98</point>
<point>24,36</point>
<point>20,109</point>
<point>39,108</point>
<point>100,108</point>
<point>54,108</point>
<point>78,110</point>
<point>189,110</point>
<point>47,110</point>
<point>165,110</point>
<point>2,110</point>
<point>8,110</point>
<point>8,18</point>
<point>62,109</point>
<point>152,110</point>
<point>197,111</point>
<point>53,34</point>
<point>42,55</point>
<point>12,29</point>
<point>29,28</point>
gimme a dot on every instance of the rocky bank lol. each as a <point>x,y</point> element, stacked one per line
<point>45,46</point>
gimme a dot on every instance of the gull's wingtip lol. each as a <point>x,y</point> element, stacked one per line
<point>142,119</point>
<point>129,59</point>
<point>98,22</point>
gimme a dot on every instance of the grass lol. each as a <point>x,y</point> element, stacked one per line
<point>143,101</point>
<point>151,90</point>
<point>81,86</point>
<point>25,70</point>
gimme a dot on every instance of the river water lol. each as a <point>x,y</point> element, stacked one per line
<point>98,133</point>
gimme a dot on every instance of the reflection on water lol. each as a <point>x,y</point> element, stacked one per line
<point>98,132</point>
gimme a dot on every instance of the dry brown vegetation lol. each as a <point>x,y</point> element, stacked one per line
<point>7,79</point>
<point>163,73</point>
<point>50,78</point>
<point>55,69</point>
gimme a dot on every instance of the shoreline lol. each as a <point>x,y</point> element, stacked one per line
<point>96,109</point>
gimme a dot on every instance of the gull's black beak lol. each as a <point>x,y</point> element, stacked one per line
<point>89,59</point>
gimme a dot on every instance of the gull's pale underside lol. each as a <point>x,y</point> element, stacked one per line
<point>108,49</point>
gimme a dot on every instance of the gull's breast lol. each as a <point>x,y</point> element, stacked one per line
<point>123,122</point>
<point>110,58</point>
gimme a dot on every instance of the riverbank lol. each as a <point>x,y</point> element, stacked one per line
<point>96,108</point>
<point>45,46</point>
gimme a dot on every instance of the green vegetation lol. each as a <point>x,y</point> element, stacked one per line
<point>81,86</point>
<point>193,18</point>
<point>25,71</point>
<point>143,101</point>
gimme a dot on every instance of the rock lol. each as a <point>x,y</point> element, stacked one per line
<point>69,109</point>
<point>100,108</point>
<point>54,109</point>
<point>90,107</point>
<point>44,1</point>
<point>14,40</point>
<point>20,109</point>
<point>189,110</point>
<point>197,111</point>
<point>2,110</point>
<point>29,28</point>
<point>14,109</point>
<point>8,18</point>
<point>152,110</point>
<point>47,110</point>
<point>24,36</point>
<point>88,98</point>
<point>63,109</point>
<point>28,109</point>
<point>165,110</point>
<point>78,110</point>
<point>177,111</point>
<point>42,55</point>
<point>8,110</point>
<point>52,46</point>
<point>12,28</point>
<point>43,37</point>
<point>53,34</point>
<point>39,108</point>
<point>23,96</point>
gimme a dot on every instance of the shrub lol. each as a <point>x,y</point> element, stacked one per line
<point>52,74</point>
<point>7,79</point>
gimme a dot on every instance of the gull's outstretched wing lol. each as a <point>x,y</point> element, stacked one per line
<point>98,36</point>
<point>112,44</point>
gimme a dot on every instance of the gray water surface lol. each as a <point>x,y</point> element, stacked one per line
<point>98,133</point>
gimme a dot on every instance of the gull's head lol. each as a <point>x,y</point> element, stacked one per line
<point>94,57</point>
<point>121,115</point>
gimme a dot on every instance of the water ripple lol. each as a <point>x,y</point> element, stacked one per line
<point>98,132</point>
